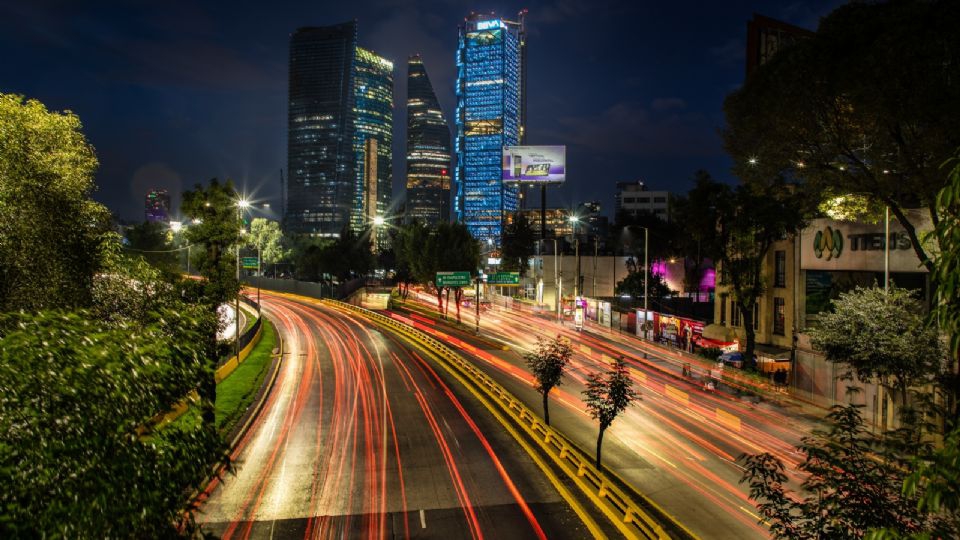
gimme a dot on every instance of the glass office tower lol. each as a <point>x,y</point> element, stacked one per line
<point>489,116</point>
<point>373,113</point>
<point>428,149</point>
<point>321,186</point>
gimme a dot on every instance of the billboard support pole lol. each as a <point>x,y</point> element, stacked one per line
<point>543,211</point>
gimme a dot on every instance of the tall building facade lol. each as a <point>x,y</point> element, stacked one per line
<point>489,116</point>
<point>633,198</point>
<point>156,206</point>
<point>373,137</point>
<point>428,149</point>
<point>341,96</point>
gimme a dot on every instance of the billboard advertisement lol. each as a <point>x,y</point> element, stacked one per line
<point>534,164</point>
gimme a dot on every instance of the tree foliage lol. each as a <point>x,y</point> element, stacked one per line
<point>547,363</point>
<point>265,235</point>
<point>946,278</point>
<point>852,485</point>
<point>216,229</point>
<point>632,284</point>
<point>451,247</point>
<point>867,105</point>
<point>881,336</point>
<point>608,395</point>
<point>519,241</point>
<point>152,241</point>
<point>51,230</point>
<point>74,393</point>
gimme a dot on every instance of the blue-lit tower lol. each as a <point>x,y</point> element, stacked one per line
<point>373,120</point>
<point>489,116</point>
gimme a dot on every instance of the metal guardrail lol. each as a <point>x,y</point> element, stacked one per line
<point>628,516</point>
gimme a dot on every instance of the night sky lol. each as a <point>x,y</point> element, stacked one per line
<point>174,93</point>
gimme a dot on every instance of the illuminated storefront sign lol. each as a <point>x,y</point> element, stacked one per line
<point>828,244</point>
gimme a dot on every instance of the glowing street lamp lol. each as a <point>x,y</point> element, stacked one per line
<point>379,221</point>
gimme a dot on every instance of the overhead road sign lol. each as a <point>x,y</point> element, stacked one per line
<point>453,279</point>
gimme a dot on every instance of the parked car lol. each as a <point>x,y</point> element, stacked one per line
<point>734,359</point>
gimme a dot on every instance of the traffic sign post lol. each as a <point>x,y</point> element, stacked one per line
<point>504,278</point>
<point>251,263</point>
<point>453,279</point>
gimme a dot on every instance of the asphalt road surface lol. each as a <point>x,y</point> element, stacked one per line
<point>679,445</point>
<point>362,437</point>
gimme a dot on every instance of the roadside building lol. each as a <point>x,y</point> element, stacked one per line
<point>634,198</point>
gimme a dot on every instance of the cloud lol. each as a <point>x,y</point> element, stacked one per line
<point>628,128</point>
<point>731,52</point>
<point>666,104</point>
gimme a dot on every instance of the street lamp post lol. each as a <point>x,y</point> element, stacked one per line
<point>241,205</point>
<point>576,242</point>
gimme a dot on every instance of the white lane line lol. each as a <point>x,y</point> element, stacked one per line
<point>423,519</point>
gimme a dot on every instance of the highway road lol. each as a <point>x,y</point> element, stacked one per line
<point>679,445</point>
<point>362,437</point>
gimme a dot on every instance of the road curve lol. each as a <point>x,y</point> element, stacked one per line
<point>361,437</point>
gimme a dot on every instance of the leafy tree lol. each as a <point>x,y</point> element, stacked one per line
<point>216,229</point>
<point>749,219</point>
<point>697,216</point>
<point>847,490</point>
<point>151,240</point>
<point>547,364</point>
<point>632,284</point>
<point>76,394</point>
<point>451,247</point>
<point>881,336</point>
<point>408,244</point>
<point>946,277</point>
<point>519,241</point>
<point>607,396</point>
<point>867,105</point>
<point>265,235</point>
<point>51,230</point>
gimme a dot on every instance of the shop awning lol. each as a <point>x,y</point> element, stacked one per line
<point>719,332</point>
<point>772,352</point>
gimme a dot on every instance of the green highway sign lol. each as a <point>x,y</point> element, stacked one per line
<point>249,262</point>
<point>504,278</point>
<point>453,279</point>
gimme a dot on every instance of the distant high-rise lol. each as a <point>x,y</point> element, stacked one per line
<point>428,149</point>
<point>156,206</point>
<point>490,115</point>
<point>321,184</point>
<point>373,95</point>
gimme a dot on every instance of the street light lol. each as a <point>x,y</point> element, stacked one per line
<point>574,220</point>
<point>242,204</point>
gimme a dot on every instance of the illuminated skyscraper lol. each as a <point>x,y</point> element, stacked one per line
<point>373,96</point>
<point>157,206</point>
<point>320,158</point>
<point>341,96</point>
<point>490,115</point>
<point>428,149</point>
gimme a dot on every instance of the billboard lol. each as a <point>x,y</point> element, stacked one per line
<point>534,164</point>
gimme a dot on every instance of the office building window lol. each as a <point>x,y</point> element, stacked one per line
<point>723,309</point>
<point>734,314</point>
<point>780,269</point>
<point>779,316</point>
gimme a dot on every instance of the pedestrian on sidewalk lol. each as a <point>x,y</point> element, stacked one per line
<point>686,369</point>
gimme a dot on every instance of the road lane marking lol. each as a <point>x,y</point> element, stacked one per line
<point>423,519</point>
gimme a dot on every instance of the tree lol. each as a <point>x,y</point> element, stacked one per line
<point>547,364</point>
<point>452,247</point>
<point>946,278</point>
<point>632,284</point>
<point>216,228</point>
<point>607,396</point>
<point>698,239</point>
<point>867,105</point>
<point>265,235</point>
<point>77,392</point>
<point>409,243</point>
<point>847,490</point>
<point>51,231</point>
<point>151,240</point>
<point>881,336</point>
<point>519,240</point>
<point>749,219</point>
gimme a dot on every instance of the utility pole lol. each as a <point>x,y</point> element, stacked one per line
<point>595,249</point>
<point>646,278</point>
<point>476,301</point>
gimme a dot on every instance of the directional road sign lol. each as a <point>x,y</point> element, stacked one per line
<point>453,279</point>
<point>504,278</point>
<point>249,262</point>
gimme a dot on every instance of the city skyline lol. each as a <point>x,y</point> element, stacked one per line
<point>171,98</point>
